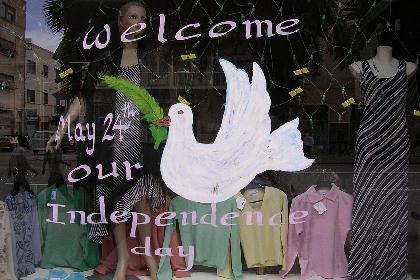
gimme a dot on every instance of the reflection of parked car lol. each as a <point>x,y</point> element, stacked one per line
<point>39,141</point>
<point>8,142</point>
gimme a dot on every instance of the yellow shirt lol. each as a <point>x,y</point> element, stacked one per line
<point>264,244</point>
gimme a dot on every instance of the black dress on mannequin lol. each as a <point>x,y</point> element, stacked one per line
<point>380,211</point>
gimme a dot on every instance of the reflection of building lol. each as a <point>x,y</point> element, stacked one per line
<point>40,104</point>
<point>321,113</point>
<point>12,57</point>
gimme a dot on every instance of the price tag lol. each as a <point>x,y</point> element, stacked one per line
<point>240,203</point>
<point>301,71</point>
<point>65,73</point>
<point>183,100</point>
<point>320,207</point>
<point>190,56</point>
<point>295,91</point>
<point>348,102</point>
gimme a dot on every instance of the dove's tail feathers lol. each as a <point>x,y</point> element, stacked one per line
<point>286,149</point>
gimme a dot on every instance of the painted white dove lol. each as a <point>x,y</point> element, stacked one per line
<point>243,148</point>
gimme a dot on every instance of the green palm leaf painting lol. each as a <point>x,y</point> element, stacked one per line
<point>146,104</point>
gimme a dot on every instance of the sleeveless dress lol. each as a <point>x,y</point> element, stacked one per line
<point>380,211</point>
<point>119,193</point>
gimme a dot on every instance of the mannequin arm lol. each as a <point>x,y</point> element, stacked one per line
<point>411,69</point>
<point>73,113</point>
<point>356,71</point>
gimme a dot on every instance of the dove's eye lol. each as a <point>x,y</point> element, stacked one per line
<point>180,112</point>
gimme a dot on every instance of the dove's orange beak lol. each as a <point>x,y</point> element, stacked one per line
<point>167,121</point>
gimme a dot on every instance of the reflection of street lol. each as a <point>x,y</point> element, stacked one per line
<point>38,182</point>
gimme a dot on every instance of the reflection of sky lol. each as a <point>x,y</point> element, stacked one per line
<point>36,27</point>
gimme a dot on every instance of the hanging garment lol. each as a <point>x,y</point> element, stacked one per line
<point>213,246</point>
<point>380,214</point>
<point>264,245</point>
<point>136,263</point>
<point>7,270</point>
<point>66,245</point>
<point>318,238</point>
<point>25,233</point>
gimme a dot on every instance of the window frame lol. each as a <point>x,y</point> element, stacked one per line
<point>45,98</point>
<point>7,11</point>
<point>45,73</point>
<point>9,46</point>
<point>29,62</point>
<point>7,78</point>
<point>57,73</point>
<point>28,100</point>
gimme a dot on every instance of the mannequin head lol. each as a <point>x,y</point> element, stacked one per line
<point>131,13</point>
<point>108,61</point>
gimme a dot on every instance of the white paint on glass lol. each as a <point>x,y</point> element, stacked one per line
<point>243,148</point>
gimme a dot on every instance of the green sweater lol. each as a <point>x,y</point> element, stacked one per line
<point>213,246</point>
<point>65,245</point>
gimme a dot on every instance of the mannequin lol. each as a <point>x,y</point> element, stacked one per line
<point>130,14</point>
<point>383,64</point>
<point>378,249</point>
<point>143,193</point>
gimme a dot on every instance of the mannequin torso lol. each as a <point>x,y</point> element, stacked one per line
<point>383,65</point>
<point>380,178</point>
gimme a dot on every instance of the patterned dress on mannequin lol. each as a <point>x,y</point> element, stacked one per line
<point>380,211</point>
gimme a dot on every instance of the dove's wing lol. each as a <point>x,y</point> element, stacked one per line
<point>246,116</point>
